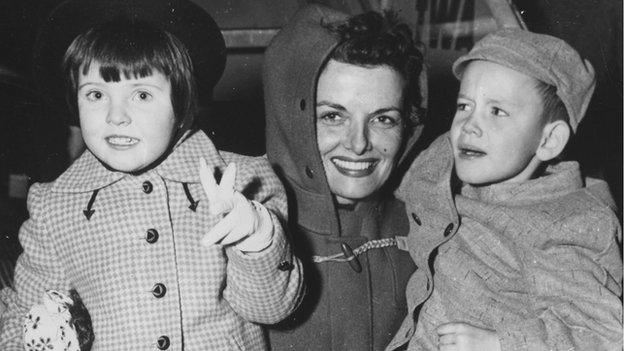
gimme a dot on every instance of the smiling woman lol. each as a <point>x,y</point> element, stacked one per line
<point>343,102</point>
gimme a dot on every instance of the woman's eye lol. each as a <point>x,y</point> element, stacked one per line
<point>94,95</point>
<point>462,106</point>
<point>143,96</point>
<point>386,120</point>
<point>330,118</point>
<point>498,112</point>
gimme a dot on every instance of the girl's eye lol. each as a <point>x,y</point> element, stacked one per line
<point>94,95</point>
<point>462,106</point>
<point>498,112</point>
<point>144,96</point>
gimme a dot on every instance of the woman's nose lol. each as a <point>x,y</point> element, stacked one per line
<point>117,114</point>
<point>357,138</point>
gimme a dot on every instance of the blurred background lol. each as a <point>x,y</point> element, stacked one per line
<point>34,135</point>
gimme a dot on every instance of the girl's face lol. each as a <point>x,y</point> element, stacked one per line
<point>127,124</point>
<point>359,127</point>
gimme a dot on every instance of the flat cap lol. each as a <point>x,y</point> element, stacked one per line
<point>543,57</point>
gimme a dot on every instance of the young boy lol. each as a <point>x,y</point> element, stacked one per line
<point>528,256</point>
<point>160,259</point>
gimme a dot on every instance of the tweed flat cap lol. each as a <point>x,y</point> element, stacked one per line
<point>543,57</point>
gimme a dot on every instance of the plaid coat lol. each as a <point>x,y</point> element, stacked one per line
<point>537,261</point>
<point>130,246</point>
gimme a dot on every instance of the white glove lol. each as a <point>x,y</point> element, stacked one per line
<point>246,224</point>
<point>47,327</point>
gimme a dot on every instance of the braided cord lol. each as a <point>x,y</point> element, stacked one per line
<point>373,244</point>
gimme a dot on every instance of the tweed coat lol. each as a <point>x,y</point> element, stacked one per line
<point>537,261</point>
<point>344,308</point>
<point>130,246</point>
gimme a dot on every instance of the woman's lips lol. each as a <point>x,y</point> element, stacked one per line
<point>121,141</point>
<point>355,168</point>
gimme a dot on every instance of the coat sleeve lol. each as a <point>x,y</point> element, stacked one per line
<point>264,287</point>
<point>576,280</point>
<point>37,270</point>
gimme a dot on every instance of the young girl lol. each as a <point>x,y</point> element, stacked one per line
<point>123,225</point>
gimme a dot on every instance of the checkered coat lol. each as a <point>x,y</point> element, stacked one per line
<point>536,261</point>
<point>130,245</point>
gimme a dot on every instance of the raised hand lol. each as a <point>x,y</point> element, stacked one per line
<point>246,224</point>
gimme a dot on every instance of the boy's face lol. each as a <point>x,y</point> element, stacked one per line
<point>127,124</point>
<point>358,127</point>
<point>497,126</point>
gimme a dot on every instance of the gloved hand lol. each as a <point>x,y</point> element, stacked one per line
<point>47,325</point>
<point>246,224</point>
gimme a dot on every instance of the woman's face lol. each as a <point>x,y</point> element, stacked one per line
<point>359,127</point>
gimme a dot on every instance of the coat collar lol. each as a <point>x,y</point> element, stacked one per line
<point>87,173</point>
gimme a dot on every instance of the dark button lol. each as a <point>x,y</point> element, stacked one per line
<point>159,290</point>
<point>309,172</point>
<point>416,219</point>
<point>163,342</point>
<point>352,259</point>
<point>152,236</point>
<point>147,187</point>
<point>449,229</point>
<point>302,104</point>
<point>285,266</point>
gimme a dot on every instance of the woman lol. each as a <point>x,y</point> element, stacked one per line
<point>342,103</point>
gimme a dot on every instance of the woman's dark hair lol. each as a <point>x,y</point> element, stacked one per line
<point>134,49</point>
<point>376,39</point>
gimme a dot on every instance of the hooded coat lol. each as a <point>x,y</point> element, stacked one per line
<point>354,305</point>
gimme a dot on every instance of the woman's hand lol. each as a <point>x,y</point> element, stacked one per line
<point>246,224</point>
<point>464,337</point>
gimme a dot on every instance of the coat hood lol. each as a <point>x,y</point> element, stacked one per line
<point>292,64</point>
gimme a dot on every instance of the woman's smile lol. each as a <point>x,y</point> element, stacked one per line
<point>355,168</point>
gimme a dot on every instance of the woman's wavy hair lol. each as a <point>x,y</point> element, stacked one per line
<point>376,39</point>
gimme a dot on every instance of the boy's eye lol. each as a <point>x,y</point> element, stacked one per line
<point>498,112</point>
<point>94,95</point>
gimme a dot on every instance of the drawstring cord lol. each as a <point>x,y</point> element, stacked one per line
<point>399,241</point>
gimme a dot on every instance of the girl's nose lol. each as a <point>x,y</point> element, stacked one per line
<point>357,138</point>
<point>117,114</point>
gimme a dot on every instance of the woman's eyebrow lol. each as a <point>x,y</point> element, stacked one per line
<point>330,104</point>
<point>386,109</point>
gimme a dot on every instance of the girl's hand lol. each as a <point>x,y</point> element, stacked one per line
<point>464,337</point>
<point>246,224</point>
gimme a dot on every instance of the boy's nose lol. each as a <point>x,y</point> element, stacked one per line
<point>118,115</point>
<point>471,125</point>
<point>357,138</point>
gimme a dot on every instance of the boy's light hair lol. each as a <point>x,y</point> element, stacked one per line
<point>546,58</point>
<point>134,49</point>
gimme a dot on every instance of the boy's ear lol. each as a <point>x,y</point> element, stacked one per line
<point>555,136</point>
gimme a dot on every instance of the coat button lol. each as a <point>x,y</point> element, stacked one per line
<point>163,342</point>
<point>302,104</point>
<point>309,172</point>
<point>416,219</point>
<point>159,290</point>
<point>449,229</point>
<point>152,236</point>
<point>352,259</point>
<point>147,187</point>
<point>285,266</point>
